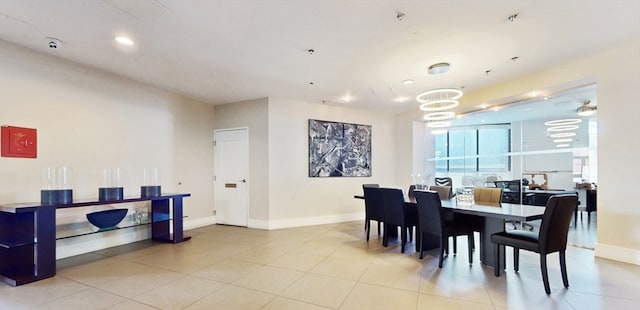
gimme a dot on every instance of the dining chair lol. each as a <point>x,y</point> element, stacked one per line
<point>445,192</point>
<point>551,238</point>
<point>511,190</point>
<point>493,197</point>
<point>397,214</point>
<point>412,189</point>
<point>431,222</point>
<point>444,181</point>
<point>487,195</point>
<point>372,208</point>
<point>592,204</point>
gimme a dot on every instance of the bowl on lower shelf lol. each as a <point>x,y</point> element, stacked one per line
<point>107,218</point>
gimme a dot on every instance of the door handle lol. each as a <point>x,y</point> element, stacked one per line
<point>244,181</point>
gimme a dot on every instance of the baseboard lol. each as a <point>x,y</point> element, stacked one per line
<point>198,222</point>
<point>612,252</point>
<point>306,221</point>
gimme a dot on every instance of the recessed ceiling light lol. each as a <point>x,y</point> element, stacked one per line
<point>400,99</point>
<point>347,98</point>
<point>563,145</point>
<point>124,40</point>
<point>408,81</point>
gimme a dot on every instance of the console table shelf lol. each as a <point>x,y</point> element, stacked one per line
<point>88,229</point>
<point>9,245</point>
<point>28,233</point>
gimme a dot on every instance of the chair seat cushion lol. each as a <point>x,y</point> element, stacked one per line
<point>520,239</point>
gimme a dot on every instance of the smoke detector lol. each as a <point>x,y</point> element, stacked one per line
<point>54,43</point>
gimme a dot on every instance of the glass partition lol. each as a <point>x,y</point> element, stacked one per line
<point>532,149</point>
<point>541,143</point>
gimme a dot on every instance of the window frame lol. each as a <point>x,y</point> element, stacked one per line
<point>476,167</point>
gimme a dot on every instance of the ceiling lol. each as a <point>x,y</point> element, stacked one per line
<point>563,105</point>
<point>223,51</point>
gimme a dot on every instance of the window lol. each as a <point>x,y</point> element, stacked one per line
<point>476,149</point>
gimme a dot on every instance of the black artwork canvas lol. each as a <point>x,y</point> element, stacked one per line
<point>339,149</point>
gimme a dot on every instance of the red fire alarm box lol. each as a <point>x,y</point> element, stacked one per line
<point>19,142</point>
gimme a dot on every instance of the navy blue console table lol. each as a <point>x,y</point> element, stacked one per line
<point>28,234</point>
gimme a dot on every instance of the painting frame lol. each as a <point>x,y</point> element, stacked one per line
<point>338,149</point>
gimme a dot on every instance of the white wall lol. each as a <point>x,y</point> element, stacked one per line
<point>252,114</point>
<point>295,199</point>
<point>90,120</point>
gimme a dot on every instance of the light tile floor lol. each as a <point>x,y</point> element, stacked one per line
<point>318,267</point>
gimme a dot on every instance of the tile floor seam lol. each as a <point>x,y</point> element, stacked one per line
<point>64,296</point>
<point>203,297</point>
<point>347,296</point>
<point>457,298</point>
<point>142,302</point>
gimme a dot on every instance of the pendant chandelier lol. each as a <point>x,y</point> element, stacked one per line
<point>438,102</point>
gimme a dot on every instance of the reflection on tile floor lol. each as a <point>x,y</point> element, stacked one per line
<point>319,267</point>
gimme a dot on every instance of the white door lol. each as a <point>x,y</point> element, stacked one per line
<point>231,169</point>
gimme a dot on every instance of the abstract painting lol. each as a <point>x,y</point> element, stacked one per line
<point>339,149</point>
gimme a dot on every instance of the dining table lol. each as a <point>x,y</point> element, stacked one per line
<point>492,217</point>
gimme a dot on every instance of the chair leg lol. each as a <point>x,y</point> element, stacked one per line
<point>545,274</point>
<point>385,236</point>
<point>446,246</point>
<point>378,229</point>
<point>472,241</point>
<point>443,241</point>
<point>496,259</point>
<point>420,245</point>
<point>403,237</point>
<point>367,228</point>
<point>470,248</point>
<point>516,259</point>
<point>410,229</point>
<point>455,245</point>
<point>563,268</point>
